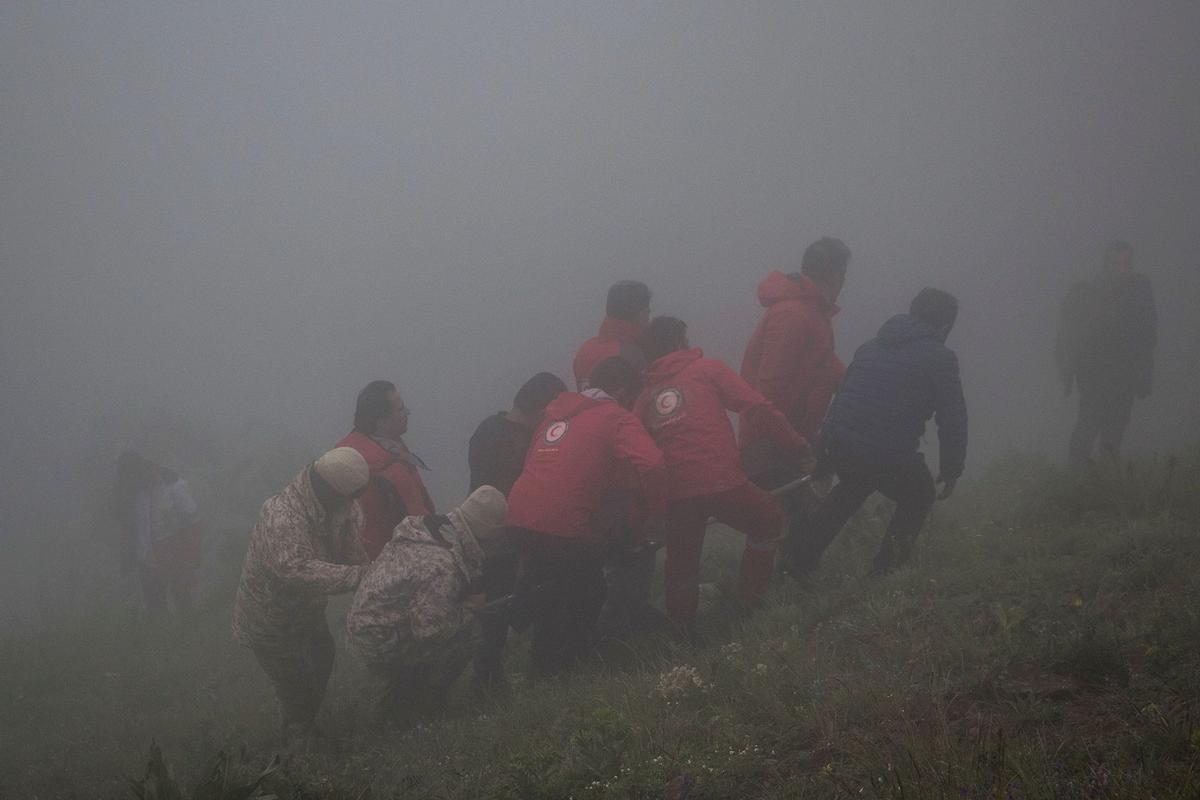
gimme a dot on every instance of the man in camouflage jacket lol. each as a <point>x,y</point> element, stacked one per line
<point>303,549</point>
<point>410,621</point>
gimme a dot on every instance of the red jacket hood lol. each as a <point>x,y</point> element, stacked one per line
<point>619,330</point>
<point>568,404</point>
<point>671,365</point>
<point>778,287</point>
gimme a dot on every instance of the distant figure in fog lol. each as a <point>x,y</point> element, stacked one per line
<point>1105,348</point>
<point>303,549</point>
<point>411,620</point>
<point>496,456</point>
<point>159,531</point>
<point>872,436</point>
<point>396,489</point>
<point>683,404</point>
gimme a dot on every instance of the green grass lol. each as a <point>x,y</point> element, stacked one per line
<point>1043,643</point>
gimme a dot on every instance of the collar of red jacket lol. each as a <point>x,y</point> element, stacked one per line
<point>672,364</point>
<point>568,404</point>
<point>778,287</point>
<point>619,330</point>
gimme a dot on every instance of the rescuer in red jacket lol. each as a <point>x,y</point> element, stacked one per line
<point>790,358</point>
<point>395,490</point>
<point>626,314</point>
<point>629,574</point>
<point>578,455</point>
<point>683,404</point>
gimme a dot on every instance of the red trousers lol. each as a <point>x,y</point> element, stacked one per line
<point>747,509</point>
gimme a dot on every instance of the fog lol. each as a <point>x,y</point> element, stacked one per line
<point>240,211</point>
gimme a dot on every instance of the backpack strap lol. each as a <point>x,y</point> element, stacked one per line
<point>433,523</point>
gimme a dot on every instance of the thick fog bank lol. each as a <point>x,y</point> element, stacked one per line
<point>246,212</point>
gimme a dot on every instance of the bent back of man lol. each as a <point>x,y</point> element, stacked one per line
<point>871,438</point>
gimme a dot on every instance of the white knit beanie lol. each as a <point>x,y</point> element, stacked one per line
<point>484,511</point>
<point>344,469</point>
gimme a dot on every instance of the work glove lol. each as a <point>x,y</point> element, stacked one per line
<point>947,485</point>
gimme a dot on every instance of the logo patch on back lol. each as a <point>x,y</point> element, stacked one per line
<point>555,432</point>
<point>668,402</point>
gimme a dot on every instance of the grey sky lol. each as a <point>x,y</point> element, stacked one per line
<point>253,209</point>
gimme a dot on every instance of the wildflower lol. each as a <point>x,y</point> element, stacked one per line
<point>680,681</point>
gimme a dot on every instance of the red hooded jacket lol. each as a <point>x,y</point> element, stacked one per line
<point>378,522</point>
<point>581,450</point>
<point>617,337</point>
<point>683,406</point>
<point>790,357</point>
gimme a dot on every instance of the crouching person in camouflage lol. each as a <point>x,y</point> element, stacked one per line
<point>303,549</point>
<point>410,621</point>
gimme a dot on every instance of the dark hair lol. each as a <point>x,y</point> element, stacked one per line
<point>615,376</point>
<point>373,405</point>
<point>627,299</point>
<point>537,392</point>
<point>825,258</point>
<point>935,308</point>
<point>663,335</point>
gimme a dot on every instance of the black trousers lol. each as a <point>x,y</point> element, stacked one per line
<point>499,580</point>
<point>1104,413</point>
<point>564,584</point>
<point>299,670</point>
<point>911,487</point>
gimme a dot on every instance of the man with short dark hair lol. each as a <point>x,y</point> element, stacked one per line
<point>496,455</point>
<point>790,358</point>
<point>683,404</point>
<point>626,314</point>
<point>587,441</point>
<point>396,489</point>
<point>1105,347</point>
<point>871,438</point>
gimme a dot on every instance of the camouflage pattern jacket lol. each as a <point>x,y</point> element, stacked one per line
<point>298,556</point>
<point>409,607</point>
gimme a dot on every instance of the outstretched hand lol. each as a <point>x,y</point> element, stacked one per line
<point>947,487</point>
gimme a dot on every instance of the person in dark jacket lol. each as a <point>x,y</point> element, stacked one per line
<point>871,437</point>
<point>496,455</point>
<point>1105,347</point>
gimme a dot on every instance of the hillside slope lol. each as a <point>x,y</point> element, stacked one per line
<point>1044,643</point>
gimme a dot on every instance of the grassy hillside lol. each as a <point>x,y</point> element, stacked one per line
<point>1044,643</point>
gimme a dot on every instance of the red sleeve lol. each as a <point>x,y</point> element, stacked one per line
<point>633,445</point>
<point>739,396</point>
<point>784,337</point>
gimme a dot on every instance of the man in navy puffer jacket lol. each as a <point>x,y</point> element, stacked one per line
<point>871,436</point>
